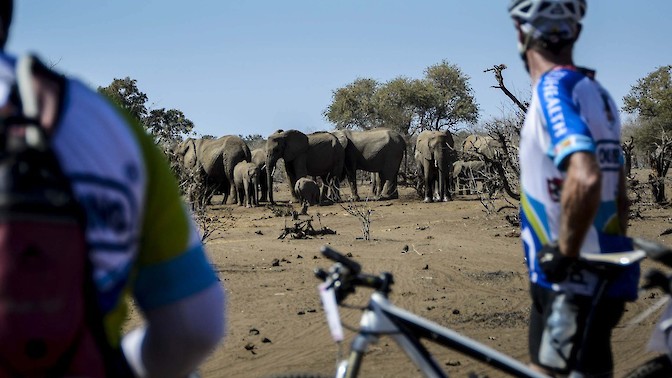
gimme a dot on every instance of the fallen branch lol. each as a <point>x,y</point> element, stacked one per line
<point>304,230</point>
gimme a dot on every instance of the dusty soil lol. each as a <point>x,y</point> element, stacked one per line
<point>463,269</point>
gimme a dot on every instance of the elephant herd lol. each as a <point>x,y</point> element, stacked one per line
<point>231,168</point>
<point>245,177</point>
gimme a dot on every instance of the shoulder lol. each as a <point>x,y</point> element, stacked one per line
<point>560,81</point>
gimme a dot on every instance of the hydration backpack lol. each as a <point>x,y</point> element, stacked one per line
<point>46,290</point>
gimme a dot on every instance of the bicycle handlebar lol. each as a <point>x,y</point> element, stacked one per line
<point>346,275</point>
<point>332,255</point>
<point>654,251</point>
<point>346,280</point>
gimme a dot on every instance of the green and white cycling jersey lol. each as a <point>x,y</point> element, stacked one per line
<point>142,240</point>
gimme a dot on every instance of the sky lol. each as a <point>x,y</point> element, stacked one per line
<point>242,67</point>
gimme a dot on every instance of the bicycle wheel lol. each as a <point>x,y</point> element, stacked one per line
<point>659,367</point>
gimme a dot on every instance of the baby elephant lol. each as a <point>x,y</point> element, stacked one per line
<point>245,179</point>
<point>308,193</point>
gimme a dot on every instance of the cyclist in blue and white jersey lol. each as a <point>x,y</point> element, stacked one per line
<point>142,241</point>
<point>573,197</point>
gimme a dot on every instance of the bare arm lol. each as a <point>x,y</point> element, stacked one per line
<point>178,336</point>
<point>623,203</point>
<point>580,201</point>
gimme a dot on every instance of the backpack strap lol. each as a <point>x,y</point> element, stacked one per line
<point>38,90</point>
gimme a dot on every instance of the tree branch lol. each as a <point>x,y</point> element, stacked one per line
<point>497,69</point>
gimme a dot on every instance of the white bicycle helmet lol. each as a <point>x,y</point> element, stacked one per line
<point>552,21</point>
<point>530,11</point>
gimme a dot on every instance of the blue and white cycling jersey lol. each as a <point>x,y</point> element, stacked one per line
<point>571,112</point>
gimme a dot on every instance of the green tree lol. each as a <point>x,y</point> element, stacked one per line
<point>352,106</point>
<point>253,141</point>
<point>440,100</point>
<point>125,93</point>
<point>651,97</point>
<point>453,100</point>
<point>167,127</point>
<point>393,105</point>
<point>651,101</point>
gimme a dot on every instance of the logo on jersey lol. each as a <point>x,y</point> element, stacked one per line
<point>109,207</point>
<point>554,186</point>
<point>609,155</point>
<point>551,102</point>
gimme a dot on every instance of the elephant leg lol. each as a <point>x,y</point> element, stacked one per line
<point>444,194</point>
<point>240,194</point>
<point>429,182</point>
<point>233,195</point>
<point>263,184</point>
<point>253,193</point>
<point>352,180</point>
<point>291,175</point>
<point>388,186</point>
<point>243,197</point>
<point>225,188</point>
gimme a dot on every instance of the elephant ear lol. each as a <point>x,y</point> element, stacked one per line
<point>188,147</point>
<point>342,137</point>
<point>424,148</point>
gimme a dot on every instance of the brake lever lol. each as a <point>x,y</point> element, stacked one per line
<point>321,274</point>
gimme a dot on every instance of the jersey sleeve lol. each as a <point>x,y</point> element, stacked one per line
<point>568,131</point>
<point>171,262</point>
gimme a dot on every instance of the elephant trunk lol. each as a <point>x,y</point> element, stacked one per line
<point>253,192</point>
<point>442,163</point>
<point>270,168</point>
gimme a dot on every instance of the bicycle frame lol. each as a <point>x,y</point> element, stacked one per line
<point>383,318</point>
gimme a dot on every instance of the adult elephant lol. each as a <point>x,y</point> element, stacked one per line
<point>435,155</point>
<point>318,154</point>
<point>216,158</point>
<point>326,159</point>
<point>481,147</point>
<point>259,159</point>
<point>379,151</point>
<point>466,175</point>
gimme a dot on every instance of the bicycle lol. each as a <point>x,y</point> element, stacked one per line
<point>659,366</point>
<point>381,318</point>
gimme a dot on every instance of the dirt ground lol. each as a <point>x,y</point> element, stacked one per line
<point>453,263</point>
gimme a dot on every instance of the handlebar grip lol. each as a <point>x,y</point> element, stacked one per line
<point>335,256</point>
<point>321,274</point>
<point>655,251</point>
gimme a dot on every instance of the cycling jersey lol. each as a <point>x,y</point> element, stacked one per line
<point>571,112</point>
<point>140,235</point>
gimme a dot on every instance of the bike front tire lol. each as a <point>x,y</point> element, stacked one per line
<point>659,367</point>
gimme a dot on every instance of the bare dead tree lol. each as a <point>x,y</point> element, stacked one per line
<point>627,147</point>
<point>659,161</point>
<point>497,69</point>
<point>506,131</point>
<point>197,194</point>
<point>361,212</point>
